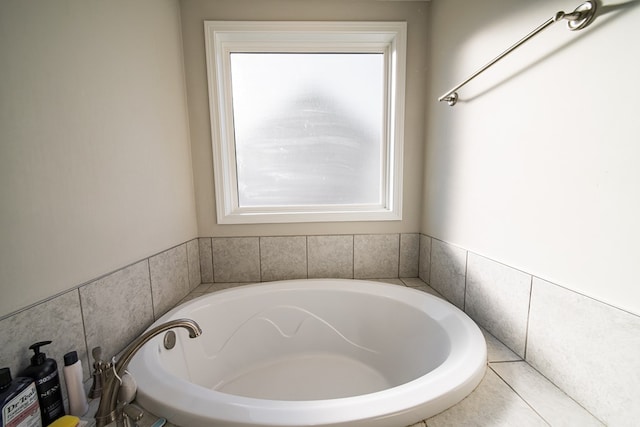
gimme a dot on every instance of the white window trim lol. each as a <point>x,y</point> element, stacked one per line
<point>224,37</point>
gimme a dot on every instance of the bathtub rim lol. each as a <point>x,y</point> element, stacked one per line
<point>454,379</point>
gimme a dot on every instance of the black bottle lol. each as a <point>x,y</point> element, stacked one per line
<point>45,373</point>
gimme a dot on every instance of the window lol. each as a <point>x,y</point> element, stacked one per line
<point>307,120</point>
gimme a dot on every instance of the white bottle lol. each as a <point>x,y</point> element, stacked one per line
<point>72,371</point>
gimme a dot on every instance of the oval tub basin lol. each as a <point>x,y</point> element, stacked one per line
<point>324,352</point>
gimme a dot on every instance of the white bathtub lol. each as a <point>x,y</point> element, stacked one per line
<point>324,352</point>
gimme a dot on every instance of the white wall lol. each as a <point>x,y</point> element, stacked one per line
<point>537,166</point>
<point>95,168</point>
<point>194,12</point>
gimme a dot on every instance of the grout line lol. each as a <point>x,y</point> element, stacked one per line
<point>564,392</point>
<point>153,306</point>
<point>306,243</point>
<point>551,382</point>
<point>353,256</point>
<point>199,260</point>
<point>466,278</point>
<point>399,254</point>
<point>260,256</point>
<point>186,248</point>
<point>518,394</point>
<point>526,335</point>
<point>430,259</point>
<point>213,271</point>
<point>84,337</point>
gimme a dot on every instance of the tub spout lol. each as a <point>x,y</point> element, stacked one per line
<point>109,410</point>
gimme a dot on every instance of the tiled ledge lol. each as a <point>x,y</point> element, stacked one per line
<point>512,393</point>
<point>587,348</point>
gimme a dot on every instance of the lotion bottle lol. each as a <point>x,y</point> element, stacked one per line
<point>18,401</point>
<point>72,371</point>
<point>44,372</point>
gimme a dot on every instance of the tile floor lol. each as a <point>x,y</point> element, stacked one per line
<point>512,393</point>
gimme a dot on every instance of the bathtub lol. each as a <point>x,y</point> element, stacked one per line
<point>324,352</point>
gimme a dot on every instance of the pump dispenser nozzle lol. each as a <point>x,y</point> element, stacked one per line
<point>38,358</point>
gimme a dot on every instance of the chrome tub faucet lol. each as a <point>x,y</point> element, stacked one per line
<point>109,374</point>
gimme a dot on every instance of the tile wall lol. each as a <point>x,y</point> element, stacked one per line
<point>587,348</point>
<point>112,310</point>
<point>255,259</point>
<point>108,312</point>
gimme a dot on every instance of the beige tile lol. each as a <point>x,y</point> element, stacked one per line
<point>496,351</point>
<point>191,296</point>
<point>193,257</point>
<point>416,283</point>
<point>206,260</point>
<point>117,308</point>
<point>58,320</point>
<point>208,288</point>
<point>283,258</point>
<point>558,409</point>
<point>202,288</point>
<point>448,265</point>
<point>428,289</point>
<point>236,259</point>
<point>376,256</point>
<point>169,272</point>
<point>221,286</point>
<point>330,256</point>
<point>389,281</point>
<point>497,298</point>
<point>409,255</point>
<point>491,404</point>
<point>413,282</point>
<point>588,349</point>
<point>424,263</point>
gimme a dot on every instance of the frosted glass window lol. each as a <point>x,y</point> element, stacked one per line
<point>307,120</point>
<point>308,128</point>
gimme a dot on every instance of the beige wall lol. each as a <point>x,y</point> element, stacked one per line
<point>95,168</point>
<point>195,12</point>
<point>537,167</point>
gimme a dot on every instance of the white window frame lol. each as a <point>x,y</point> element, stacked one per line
<point>225,37</point>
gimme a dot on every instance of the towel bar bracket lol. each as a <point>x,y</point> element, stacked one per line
<point>582,16</point>
<point>451,99</point>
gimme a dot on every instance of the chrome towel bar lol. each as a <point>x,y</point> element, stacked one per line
<point>578,19</point>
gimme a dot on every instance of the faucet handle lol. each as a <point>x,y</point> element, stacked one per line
<point>97,355</point>
<point>134,412</point>
<point>98,371</point>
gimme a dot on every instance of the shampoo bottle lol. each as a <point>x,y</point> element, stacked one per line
<point>18,401</point>
<point>44,371</point>
<point>72,371</point>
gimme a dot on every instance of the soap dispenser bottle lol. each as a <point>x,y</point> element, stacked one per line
<point>44,371</point>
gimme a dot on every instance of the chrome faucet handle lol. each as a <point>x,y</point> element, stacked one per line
<point>98,373</point>
<point>132,414</point>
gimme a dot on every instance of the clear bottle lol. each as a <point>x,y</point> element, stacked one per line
<point>72,371</point>
<point>18,401</point>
